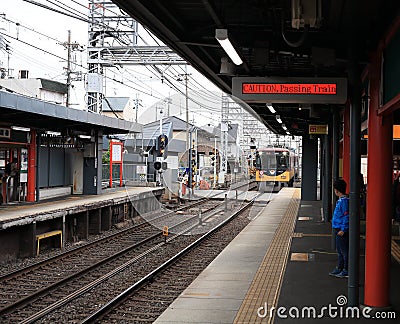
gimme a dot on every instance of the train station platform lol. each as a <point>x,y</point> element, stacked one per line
<point>281,260</point>
<point>25,213</point>
<point>70,219</point>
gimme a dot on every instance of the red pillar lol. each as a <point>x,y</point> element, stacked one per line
<point>379,201</point>
<point>111,164</point>
<point>31,185</point>
<point>346,144</point>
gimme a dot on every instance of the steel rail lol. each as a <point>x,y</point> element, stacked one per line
<point>36,294</point>
<point>148,278</point>
<point>77,249</point>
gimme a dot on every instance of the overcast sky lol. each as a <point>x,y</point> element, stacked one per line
<point>29,28</point>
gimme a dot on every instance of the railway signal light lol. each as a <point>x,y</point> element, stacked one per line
<point>162,142</point>
<point>157,165</point>
<point>193,158</point>
<point>212,157</point>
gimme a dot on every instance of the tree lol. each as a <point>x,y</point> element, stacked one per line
<point>106,157</point>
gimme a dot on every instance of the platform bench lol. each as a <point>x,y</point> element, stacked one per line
<point>46,235</point>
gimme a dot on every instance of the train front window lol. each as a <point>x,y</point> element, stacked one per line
<point>268,161</point>
<point>283,160</point>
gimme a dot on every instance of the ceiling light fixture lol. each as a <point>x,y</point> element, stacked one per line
<point>284,127</point>
<point>278,119</point>
<point>222,37</point>
<point>53,133</point>
<point>21,129</point>
<point>271,109</point>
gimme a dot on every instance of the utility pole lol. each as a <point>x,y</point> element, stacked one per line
<point>161,121</point>
<point>68,67</point>
<point>71,47</point>
<point>138,102</point>
<point>168,102</point>
<point>186,75</point>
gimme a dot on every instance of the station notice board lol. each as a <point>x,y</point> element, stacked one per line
<point>116,149</point>
<point>318,129</point>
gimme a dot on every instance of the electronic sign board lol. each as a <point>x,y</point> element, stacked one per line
<point>290,90</point>
<point>318,129</point>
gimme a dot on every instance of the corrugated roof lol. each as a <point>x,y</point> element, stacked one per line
<point>150,132</point>
<point>177,123</point>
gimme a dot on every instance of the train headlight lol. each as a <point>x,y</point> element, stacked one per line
<point>272,172</point>
<point>283,177</point>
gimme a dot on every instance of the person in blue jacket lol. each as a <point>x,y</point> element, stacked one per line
<point>340,225</point>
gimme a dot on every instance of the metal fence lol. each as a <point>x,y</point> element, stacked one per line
<point>128,173</point>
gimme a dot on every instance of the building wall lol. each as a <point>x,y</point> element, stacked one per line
<point>55,97</point>
<point>28,87</point>
<point>130,111</point>
<point>32,88</point>
<point>180,135</point>
<point>112,115</point>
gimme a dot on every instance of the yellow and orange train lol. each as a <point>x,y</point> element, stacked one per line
<point>277,166</point>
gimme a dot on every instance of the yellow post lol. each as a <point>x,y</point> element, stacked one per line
<point>165,233</point>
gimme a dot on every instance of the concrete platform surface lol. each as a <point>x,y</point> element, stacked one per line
<point>217,294</point>
<point>61,206</point>
<point>227,291</point>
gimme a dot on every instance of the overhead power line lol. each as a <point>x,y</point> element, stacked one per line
<point>84,67</point>
<point>55,10</point>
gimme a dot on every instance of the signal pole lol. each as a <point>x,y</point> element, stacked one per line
<point>215,164</point>
<point>188,144</point>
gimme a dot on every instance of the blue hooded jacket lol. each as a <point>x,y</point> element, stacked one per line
<point>340,219</point>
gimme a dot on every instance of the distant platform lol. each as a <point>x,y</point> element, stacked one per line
<point>15,214</point>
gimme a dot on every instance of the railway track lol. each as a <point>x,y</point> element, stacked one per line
<point>20,287</point>
<point>144,301</point>
<point>154,217</point>
<point>40,290</point>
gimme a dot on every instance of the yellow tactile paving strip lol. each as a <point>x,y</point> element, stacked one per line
<point>266,284</point>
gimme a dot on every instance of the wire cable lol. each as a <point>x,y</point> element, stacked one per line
<point>84,67</point>
<point>67,8</point>
<point>55,10</point>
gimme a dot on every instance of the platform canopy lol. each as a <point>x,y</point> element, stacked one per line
<point>18,110</point>
<point>273,38</point>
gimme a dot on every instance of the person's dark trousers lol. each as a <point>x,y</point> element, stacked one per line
<point>342,248</point>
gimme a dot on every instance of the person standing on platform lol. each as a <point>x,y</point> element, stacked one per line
<point>340,225</point>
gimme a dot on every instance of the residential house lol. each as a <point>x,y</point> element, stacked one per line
<point>44,89</point>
